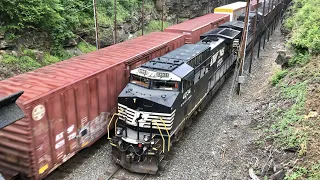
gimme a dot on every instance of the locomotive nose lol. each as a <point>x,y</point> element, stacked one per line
<point>147,100</point>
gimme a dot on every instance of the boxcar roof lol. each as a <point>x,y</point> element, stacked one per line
<point>41,82</point>
<point>196,23</point>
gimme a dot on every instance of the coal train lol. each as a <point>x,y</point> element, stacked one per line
<point>164,94</point>
<point>69,105</point>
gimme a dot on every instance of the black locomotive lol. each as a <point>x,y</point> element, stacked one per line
<point>164,93</point>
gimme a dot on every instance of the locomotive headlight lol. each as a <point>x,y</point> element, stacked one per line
<point>146,138</point>
<point>119,131</point>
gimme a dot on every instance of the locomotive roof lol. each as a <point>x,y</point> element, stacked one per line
<point>225,33</point>
<point>187,52</point>
<point>176,58</point>
<point>238,25</point>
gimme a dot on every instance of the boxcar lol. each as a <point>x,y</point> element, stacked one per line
<point>195,27</point>
<point>67,104</point>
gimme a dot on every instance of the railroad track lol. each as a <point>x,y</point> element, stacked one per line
<point>122,174</point>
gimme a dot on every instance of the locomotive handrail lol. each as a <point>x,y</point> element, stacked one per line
<point>167,133</point>
<point>108,128</point>
<point>163,141</point>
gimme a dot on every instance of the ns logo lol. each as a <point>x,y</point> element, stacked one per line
<point>186,94</point>
<point>216,56</point>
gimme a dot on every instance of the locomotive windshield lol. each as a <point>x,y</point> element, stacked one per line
<point>154,84</point>
<point>141,81</point>
<point>165,85</point>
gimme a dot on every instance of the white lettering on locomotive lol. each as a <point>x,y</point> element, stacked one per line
<point>186,94</point>
<point>214,58</point>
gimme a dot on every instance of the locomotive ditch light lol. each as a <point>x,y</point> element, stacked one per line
<point>10,112</point>
<point>119,131</point>
<point>146,138</point>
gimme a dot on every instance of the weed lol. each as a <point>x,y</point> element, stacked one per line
<point>25,63</point>
<point>154,26</point>
<point>299,59</point>
<point>275,79</point>
<point>49,59</point>
<point>310,173</point>
<point>85,47</point>
<point>30,53</point>
<point>287,132</point>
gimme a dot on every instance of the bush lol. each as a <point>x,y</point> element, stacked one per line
<point>299,59</point>
<point>304,24</point>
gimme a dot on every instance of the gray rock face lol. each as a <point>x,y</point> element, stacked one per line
<point>6,44</point>
<point>191,9</point>
<point>283,58</point>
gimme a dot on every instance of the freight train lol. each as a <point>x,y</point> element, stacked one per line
<point>69,105</point>
<point>164,94</point>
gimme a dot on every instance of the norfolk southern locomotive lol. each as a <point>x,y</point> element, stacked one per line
<point>162,96</point>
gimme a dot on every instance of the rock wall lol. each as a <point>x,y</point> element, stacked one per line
<point>192,8</point>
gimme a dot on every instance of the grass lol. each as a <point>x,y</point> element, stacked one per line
<point>275,79</point>
<point>25,63</point>
<point>27,60</point>
<point>49,59</point>
<point>288,134</point>
<point>154,26</point>
<point>299,59</point>
<point>293,126</point>
<point>85,47</point>
<point>311,173</point>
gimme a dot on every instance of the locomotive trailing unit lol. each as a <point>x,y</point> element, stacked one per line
<point>162,96</point>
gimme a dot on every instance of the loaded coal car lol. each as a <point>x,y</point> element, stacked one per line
<point>162,97</point>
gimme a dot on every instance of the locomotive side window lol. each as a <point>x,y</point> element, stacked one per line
<point>165,85</point>
<point>142,81</point>
<point>186,85</point>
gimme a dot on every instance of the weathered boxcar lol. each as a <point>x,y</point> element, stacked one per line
<point>67,104</point>
<point>195,27</point>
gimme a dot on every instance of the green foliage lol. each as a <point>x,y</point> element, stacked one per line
<point>311,173</point>
<point>62,18</point>
<point>85,47</point>
<point>154,26</point>
<point>304,24</point>
<point>275,79</point>
<point>29,52</point>
<point>25,63</point>
<point>49,59</point>
<point>287,134</point>
<point>299,59</point>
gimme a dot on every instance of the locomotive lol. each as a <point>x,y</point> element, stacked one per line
<point>164,94</point>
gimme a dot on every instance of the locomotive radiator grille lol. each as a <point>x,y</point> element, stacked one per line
<point>129,115</point>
